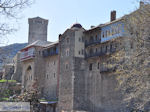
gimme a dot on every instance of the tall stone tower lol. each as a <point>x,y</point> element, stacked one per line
<point>37,29</point>
<point>71,70</point>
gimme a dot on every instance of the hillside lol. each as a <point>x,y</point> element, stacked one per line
<point>8,52</point>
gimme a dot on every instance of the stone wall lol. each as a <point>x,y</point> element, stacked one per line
<point>50,77</point>
<point>66,75</point>
<point>37,29</point>
<point>17,68</point>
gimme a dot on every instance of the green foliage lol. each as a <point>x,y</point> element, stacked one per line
<point>3,80</point>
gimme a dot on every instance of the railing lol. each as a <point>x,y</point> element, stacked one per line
<point>99,54</point>
<point>92,42</point>
<point>30,53</point>
<point>49,53</point>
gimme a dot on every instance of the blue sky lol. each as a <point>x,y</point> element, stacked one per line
<point>63,13</point>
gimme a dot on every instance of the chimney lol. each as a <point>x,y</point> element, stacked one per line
<point>141,4</point>
<point>113,15</point>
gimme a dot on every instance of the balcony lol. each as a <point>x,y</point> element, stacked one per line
<point>97,54</point>
<point>50,52</point>
<point>106,69</point>
<point>92,43</point>
<point>29,54</point>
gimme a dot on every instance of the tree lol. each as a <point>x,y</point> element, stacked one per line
<point>133,59</point>
<point>10,10</point>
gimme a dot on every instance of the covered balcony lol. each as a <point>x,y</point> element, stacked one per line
<point>50,51</point>
<point>27,54</point>
<point>97,54</point>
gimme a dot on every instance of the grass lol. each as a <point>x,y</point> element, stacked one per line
<point>43,100</point>
<point>4,99</point>
<point>2,81</point>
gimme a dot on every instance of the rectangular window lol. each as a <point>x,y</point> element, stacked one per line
<point>47,76</point>
<point>67,40</point>
<point>79,39</point>
<point>54,75</point>
<point>82,52</point>
<point>98,65</point>
<point>96,50</point>
<point>90,66</point>
<point>66,66</point>
<point>110,47</point>
<point>82,39</point>
<point>103,35</point>
<point>79,52</point>
<point>106,48</point>
<point>67,52</point>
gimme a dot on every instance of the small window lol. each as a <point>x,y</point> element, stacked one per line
<point>79,52</point>
<point>31,77</point>
<point>82,52</point>
<point>98,65</point>
<point>82,39</point>
<point>67,40</point>
<point>131,45</point>
<point>66,66</point>
<point>103,35</point>
<point>54,75</point>
<point>79,39</point>
<point>111,47</point>
<point>47,76</point>
<point>90,66</point>
<point>67,52</point>
<point>96,50</point>
<point>96,37</point>
<point>106,48</point>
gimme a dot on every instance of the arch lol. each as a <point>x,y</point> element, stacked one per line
<point>29,68</point>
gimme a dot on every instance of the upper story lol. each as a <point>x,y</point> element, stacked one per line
<point>71,42</point>
<point>50,50</point>
<point>33,50</point>
<point>99,40</point>
<point>105,32</point>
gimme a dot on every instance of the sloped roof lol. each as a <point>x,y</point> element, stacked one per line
<point>51,44</point>
<point>38,18</point>
<point>105,24</point>
<point>38,43</point>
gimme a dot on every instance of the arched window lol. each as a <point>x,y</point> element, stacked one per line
<point>28,73</point>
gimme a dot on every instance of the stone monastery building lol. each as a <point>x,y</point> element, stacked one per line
<point>70,73</point>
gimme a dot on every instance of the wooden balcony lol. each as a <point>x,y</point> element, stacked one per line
<point>29,54</point>
<point>50,52</point>
<point>98,54</point>
<point>92,43</point>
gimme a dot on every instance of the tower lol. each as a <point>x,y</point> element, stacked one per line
<point>37,29</point>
